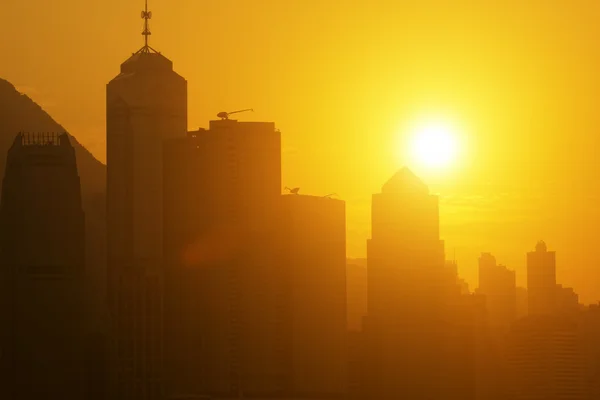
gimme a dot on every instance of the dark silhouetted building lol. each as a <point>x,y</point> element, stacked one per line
<point>42,242</point>
<point>541,280</point>
<point>221,199</point>
<point>546,359</point>
<point>145,105</point>
<point>313,296</point>
<point>420,331</point>
<point>499,286</point>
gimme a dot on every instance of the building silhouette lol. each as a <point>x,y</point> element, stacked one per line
<point>222,196</point>
<point>452,267</point>
<point>313,296</point>
<point>146,104</point>
<point>541,280</point>
<point>420,332</point>
<point>567,301</point>
<point>546,357</point>
<point>499,286</point>
<point>42,242</point>
<point>403,315</point>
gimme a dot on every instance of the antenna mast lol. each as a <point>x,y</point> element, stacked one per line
<point>146,16</point>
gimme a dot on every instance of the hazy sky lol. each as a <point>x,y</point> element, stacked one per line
<point>343,80</point>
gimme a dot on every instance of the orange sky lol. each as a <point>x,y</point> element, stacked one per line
<point>342,78</point>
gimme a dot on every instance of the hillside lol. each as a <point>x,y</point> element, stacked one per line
<point>20,113</point>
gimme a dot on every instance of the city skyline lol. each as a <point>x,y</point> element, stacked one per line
<point>497,101</point>
<point>359,219</point>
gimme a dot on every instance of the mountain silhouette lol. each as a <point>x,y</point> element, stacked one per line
<point>19,113</point>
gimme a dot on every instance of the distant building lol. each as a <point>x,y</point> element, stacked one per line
<point>541,280</point>
<point>42,237</point>
<point>356,288</point>
<point>452,266</point>
<point>420,332</point>
<point>145,105</point>
<point>313,290</point>
<point>222,305</point>
<point>546,359</point>
<point>567,301</point>
<point>499,286</point>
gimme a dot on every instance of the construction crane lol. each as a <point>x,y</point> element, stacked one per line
<point>225,115</point>
<point>330,195</point>
<point>293,190</point>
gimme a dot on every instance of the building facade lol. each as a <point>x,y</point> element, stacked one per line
<point>420,330</point>
<point>499,286</point>
<point>547,359</point>
<point>42,294</point>
<point>541,280</point>
<point>567,301</point>
<point>222,192</point>
<point>313,301</point>
<point>146,104</point>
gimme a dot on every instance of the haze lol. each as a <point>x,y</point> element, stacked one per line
<point>344,80</point>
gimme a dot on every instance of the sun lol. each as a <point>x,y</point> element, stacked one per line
<point>434,145</point>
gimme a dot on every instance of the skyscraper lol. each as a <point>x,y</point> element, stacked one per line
<point>412,296</point>
<point>222,194</point>
<point>146,104</point>
<point>499,286</point>
<point>312,285</point>
<point>541,280</point>
<point>42,237</point>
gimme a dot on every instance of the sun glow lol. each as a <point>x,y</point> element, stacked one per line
<point>434,145</point>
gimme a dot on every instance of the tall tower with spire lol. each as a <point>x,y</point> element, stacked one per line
<point>145,105</point>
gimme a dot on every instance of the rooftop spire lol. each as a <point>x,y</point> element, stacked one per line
<point>146,16</point>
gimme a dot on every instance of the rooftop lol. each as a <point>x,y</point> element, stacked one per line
<point>405,181</point>
<point>42,139</point>
<point>146,60</point>
<point>310,197</point>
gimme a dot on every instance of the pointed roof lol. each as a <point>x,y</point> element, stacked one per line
<point>405,181</point>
